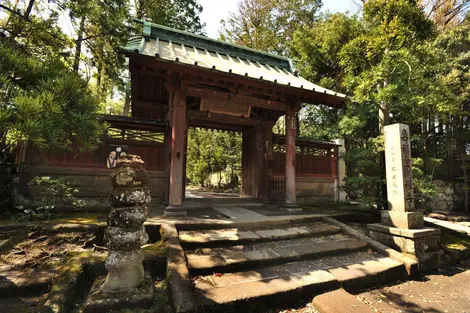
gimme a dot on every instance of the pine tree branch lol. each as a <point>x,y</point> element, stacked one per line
<point>26,18</point>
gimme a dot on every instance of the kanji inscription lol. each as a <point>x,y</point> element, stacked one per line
<point>399,168</point>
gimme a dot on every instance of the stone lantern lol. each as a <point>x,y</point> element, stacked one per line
<point>126,284</point>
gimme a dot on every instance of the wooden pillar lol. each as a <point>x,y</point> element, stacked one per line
<point>248,151</point>
<point>290,199</point>
<point>178,146</point>
<point>268,156</point>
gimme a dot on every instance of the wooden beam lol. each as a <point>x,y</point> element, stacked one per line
<point>220,118</point>
<point>202,92</point>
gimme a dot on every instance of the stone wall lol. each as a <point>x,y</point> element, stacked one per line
<point>449,197</point>
<point>92,184</point>
<point>314,189</point>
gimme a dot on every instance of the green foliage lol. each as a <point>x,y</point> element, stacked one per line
<point>365,183</point>
<point>397,68</point>
<point>268,25</point>
<point>50,193</point>
<point>54,190</point>
<point>44,103</point>
<point>317,48</point>
<point>180,14</point>
<point>425,190</point>
<point>212,152</point>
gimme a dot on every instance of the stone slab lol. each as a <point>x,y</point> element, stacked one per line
<point>238,213</point>
<point>458,228</point>
<point>282,233</point>
<point>261,234</point>
<point>99,301</point>
<point>292,210</point>
<point>248,285</point>
<point>280,251</point>
<point>325,273</point>
<point>230,234</point>
<point>369,273</point>
<point>339,301</point>
<point>407,233</point>
<point>407,220</point>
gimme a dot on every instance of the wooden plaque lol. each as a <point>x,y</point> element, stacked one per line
<point>230,107</point>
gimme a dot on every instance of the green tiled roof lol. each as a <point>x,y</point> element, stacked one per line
<point>189,49</point>
<point>151,30</point>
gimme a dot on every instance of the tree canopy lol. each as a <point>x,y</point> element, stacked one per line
<point>399,60</point>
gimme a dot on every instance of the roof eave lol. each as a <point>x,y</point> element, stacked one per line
<point>315,97</point>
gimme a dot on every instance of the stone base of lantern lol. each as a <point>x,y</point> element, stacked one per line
<point>422,244</point>
<point>100,301</point>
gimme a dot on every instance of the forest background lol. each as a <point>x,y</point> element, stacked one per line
<point>401,61</point>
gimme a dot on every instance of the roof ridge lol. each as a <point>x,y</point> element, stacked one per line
<point>147,32</point>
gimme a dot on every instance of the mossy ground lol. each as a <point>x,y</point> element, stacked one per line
<point>155,249</point>
<point>455,241</point>
<point>61,218</point>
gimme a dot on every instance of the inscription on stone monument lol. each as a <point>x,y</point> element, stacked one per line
<point>398,167</point>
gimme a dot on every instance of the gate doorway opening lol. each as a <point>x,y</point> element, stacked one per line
<point>213,164</point>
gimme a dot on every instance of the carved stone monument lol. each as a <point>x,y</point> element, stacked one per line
<point>126,285</point>
<point>402,226</point>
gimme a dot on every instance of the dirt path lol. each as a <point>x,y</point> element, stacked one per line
<point>444,291</point>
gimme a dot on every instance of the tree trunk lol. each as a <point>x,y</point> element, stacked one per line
<point>127,103</point>
<point>17,30</point>
<point>98,77</point>
<point>28,9</point>
<point>78,45</point>
<point>384,118</point>
<point>139,8</point>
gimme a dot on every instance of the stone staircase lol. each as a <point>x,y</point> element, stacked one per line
<point>280,263</point>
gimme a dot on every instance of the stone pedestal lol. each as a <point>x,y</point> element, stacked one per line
<point>422,244</point>
<point>126,285</point>
<point>291,208</point>
<point>99,301</point>
<point>175,211</point>
<point>402,227</point>
<point>406,220</point>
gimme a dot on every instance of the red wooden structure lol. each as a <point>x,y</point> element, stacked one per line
<point>130,135</point>
<point>179,79</point>
<point>190,80</point>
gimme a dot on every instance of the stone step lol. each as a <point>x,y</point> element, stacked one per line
<point>340,301</point>
<point>234,258</point>
<point>292,281</point>
<point>240,236</point>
